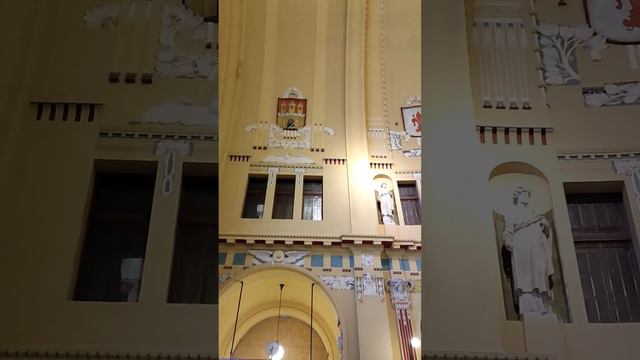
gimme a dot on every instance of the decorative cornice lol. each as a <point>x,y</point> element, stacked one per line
<point>136,135</point>
<point>460,355</point>
<point>320,240</point>
<point>598,155</point>
<point>87,355</point>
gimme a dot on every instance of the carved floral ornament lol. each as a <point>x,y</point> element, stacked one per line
<point>630,167</point>
<point>170,60</point>
<point>558,45</point>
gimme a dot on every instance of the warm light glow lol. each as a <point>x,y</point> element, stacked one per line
<point>279,354</point>
<point>415,342</point>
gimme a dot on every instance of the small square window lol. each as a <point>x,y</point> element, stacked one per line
<point>336,261</point>
<point>317,260</point>
<point>386,264</point>
<point>239,258</point>
<point>404,264</point>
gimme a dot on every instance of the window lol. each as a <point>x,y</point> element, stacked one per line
<point>254,200</point>
<point>239,259</point>
<point>317,260</point>
<point>194,271</point>
<point>336,261</point>
<point>410,203</point>
<point>419,265</point>
<point>283,199</point>
<point>606,260</point>
<point>115,237</point>
<point>222,258</point>
<point>386,264</point>
<point>404,264</point>
<point>351,261</point>
<point>312,199</point>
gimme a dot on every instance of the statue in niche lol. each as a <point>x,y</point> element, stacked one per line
<point>387,208</point>
<point>528,256</point>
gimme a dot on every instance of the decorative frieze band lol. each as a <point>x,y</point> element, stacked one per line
<point>513,135</point>
<point>135,135</point>
<point>598,156</point>
<point>64,111</point>
<point>320,240</point>
<point>90,355</point>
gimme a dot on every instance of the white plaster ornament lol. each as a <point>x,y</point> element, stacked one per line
<point>278,257</point>
<point>531,255</point>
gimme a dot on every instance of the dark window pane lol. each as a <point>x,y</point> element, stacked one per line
<point>410,203</point>
<point>254,200</point>
<point>312,199</point>
<point>283,199</point>
<point>607,265</point>
<point>115,237</point>
<point>194,271</point>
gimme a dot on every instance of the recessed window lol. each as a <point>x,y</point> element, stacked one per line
<point>317,260</point>
<point>336,261</point>
<point>404,264</point>
<point>386,264</point>
<point>419,265</point>
<point>194,271</point>
<point>222,258</point>
<point>312,199</point>
<point>239,259</point>
<point>410,202</point>
<point>254,199</point>
<point>283,198</point>
<point>606,259</point>
<point>116,232</point>
<point>351,261</point>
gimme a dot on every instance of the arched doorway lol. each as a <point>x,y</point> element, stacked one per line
<point>259,303</point>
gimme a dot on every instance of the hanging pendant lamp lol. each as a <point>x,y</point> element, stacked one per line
<point>275,351</point>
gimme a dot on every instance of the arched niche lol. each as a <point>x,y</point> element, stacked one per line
<point>260,296</point>
<point>520,220</point>
<point>378,181</point>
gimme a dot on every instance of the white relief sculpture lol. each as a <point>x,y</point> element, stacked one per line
<point>395,140</point>
<point>400,290</point>
<point>181,112</point>
<point>366,261</point>
<point>368,285</point>
<point>529,238</point>
<point>558,45</point>
<point>412,153</point>
<point>339,282</point>
<point>170,61</point>
<point>387,208</point>
<point>414,100</point>
<point>289,139</point>
<point>278,257</point>
<point>171,149</point>
<point>612,95</point>
<point>287,159</point>
<point>292,92</point>
<point>105,15</point>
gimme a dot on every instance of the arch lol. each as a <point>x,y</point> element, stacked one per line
<point>260,301</point>
<point>516,167</point>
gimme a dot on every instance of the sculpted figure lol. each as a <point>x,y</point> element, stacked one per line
<point>385,197</point>
<point>529,238</point>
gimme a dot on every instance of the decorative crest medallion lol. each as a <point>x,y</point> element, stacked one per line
<point>412,119</point>
<point>292,110</point>
<point>616,20</point>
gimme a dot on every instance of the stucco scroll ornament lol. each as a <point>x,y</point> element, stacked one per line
<point>400,290</point>
<point>529,239</point>
<point>170,61</point>
<point>104,15</point>
<point>171,149</point>
<point>287,159</point>
<point>278,257</point>
<point>630,167</point>
<point>366,260</point>
<point>339,282</point>
<point>368,285</point>
<point>558,45</point>
<point>612,95</point>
